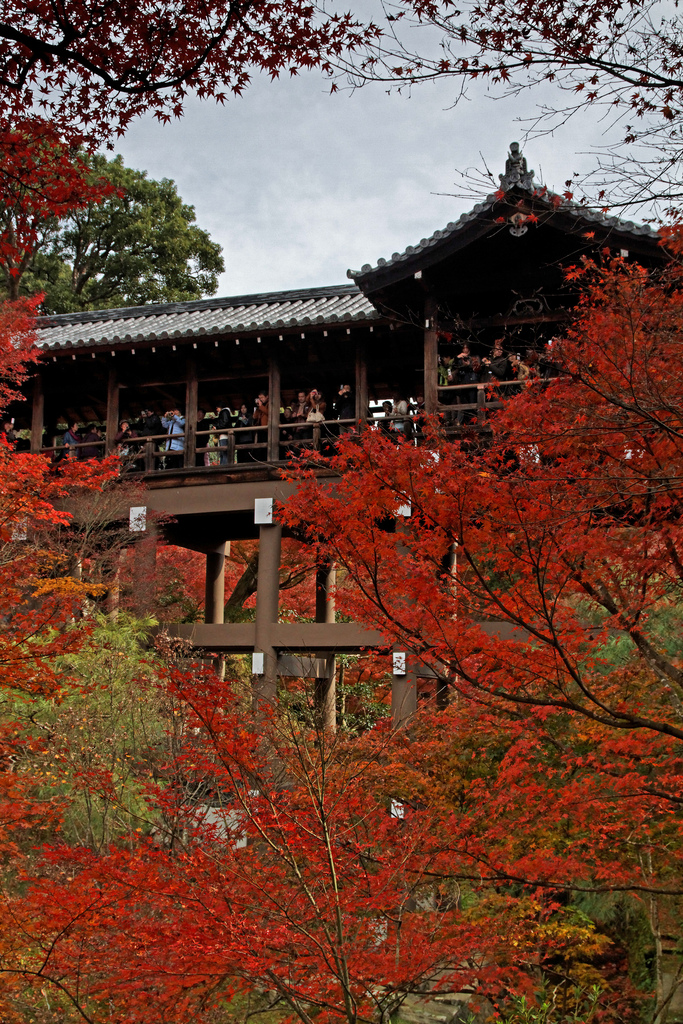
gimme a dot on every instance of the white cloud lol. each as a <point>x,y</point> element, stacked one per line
<point>297,185</point>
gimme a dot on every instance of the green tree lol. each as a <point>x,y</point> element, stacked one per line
<point>139,245</point>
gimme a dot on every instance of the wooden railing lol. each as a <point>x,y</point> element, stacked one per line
<point>233,447</point>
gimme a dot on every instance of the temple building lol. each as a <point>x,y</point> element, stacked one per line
<point>497,272</point>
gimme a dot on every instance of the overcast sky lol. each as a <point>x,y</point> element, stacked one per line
<point>298,185</point>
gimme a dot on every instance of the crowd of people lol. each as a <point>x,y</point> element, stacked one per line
<point>226,435</point>
<point>458,368</point>
<point>223,435</point>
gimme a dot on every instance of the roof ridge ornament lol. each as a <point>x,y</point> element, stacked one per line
<point>516,171</point>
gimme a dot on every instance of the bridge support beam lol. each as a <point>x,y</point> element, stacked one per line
<point>214,592</point>
<point>267,607</point>
<point>325,695</point>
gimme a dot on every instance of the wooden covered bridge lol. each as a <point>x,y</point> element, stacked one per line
<point>497,272</point>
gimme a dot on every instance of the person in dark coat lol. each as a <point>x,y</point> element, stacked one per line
<point>223,422</point>
<point>8,433</point>
<point>244,419</point>
<point>92,439</point>
<point>345,406</point>
<point>150,424</point>
<point>498,363</point>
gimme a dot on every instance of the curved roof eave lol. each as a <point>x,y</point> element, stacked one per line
<point>477,222</point>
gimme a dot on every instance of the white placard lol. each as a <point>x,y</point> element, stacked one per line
<point>399,663</point>
<point>263,511</point>
<point>396,809</point>
<point>257,663</point>
<point>137,520</point>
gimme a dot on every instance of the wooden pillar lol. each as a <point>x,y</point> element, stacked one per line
<point>403,689</point>
<point>267,606</point>
<point>404,676</point>
<point>214,590</point>
<point>112,409</point>
<point>325,695</point>
<point>191,396</point>
<point>37,414</point>
<point>144,572</point>
<point>274,409</point>
<point>362,400</point>
<point>431,353</point>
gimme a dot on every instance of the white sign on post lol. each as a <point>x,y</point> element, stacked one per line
<point>263,511</point>
<point>257,666</point>
<point>399,667</point>
<point>137,520</point>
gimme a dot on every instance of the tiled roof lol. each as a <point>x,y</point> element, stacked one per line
<point>245,313</point>
<point>439,238</point>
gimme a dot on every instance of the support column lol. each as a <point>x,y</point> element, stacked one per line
<point>325,695</point>
<point>431,353</point>
<point>191,396</point>
<point>267,606</point>
<point>214,592</point>
<point>361,381</point>
<point>112,409</point>
<point>403,688</point>
<point>404,676</point>
<point>144,572</point>
<point>37,414</point>
<point>274,409</point>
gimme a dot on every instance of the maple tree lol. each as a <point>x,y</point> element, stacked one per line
<point>274,864</point>
<point>557,631</point>
<point>92,68</point>
<point>623,56</point>
<point>41,180</point>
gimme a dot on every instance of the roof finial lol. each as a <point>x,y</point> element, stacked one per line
<point>516,172</point>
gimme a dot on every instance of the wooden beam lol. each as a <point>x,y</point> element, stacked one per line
<point>361,381</point>
<point>431,354</point>
<point>191,396</point>
<point>325,695</point>
<point>112,425</point>
<point>307,637</point>
<point>37,414</point>
<point>214,592</point>
<point>267,605</point>
<point>274,409</point>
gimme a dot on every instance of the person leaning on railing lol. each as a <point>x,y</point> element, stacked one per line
<point>173,423</point>
<point>71,438</point>
<point>92,443</point>
<point>223,423</point>
<point>244,419</point>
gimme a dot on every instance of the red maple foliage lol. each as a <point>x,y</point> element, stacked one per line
<point>275,866</point>
<point>41,179</point>
<point>557,630</point>
<point>92,68</point>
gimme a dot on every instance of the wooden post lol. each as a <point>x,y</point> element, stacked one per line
<point>37,414</point>
<point>112,410</point>
<point>214,592</point>
<point>481,406</point>
<point>325,695</point>
<point>404,678</point>
<point>267,606</point>
<point>403,692</point>
<point>273,452</point>
<point>145,572</point>
<point>362,401</point>
<point>431,354</point>
<point>191,395</point>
